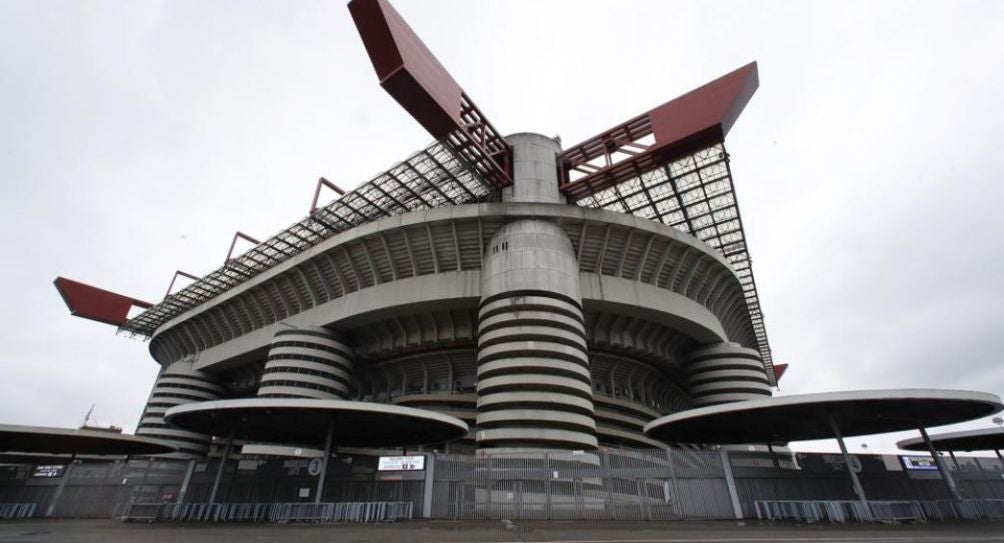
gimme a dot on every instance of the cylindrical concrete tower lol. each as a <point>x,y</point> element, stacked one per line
<point>306,363</point>
<point>178,384</point>
<point>725,372</point>
<point>534,388</point>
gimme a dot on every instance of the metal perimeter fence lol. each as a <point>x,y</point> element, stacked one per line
<point>615,484</point>
<point>658,484</point>
<point>269,512</point>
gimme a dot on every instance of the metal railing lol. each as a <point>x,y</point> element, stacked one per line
<point>838,510</point>
<point>963,510</point>
<point>11,511</point>
<point>269,512</point>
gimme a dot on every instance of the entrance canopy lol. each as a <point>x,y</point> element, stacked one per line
<point>307,422</point>
<point>811,416</point>
<point>44,440</point>
<point>985,439</point>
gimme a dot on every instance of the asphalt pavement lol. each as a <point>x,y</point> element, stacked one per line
<point>111,531</point>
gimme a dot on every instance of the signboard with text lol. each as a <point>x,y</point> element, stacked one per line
<point>920,463</point>
<point>49,471</point>
<point>401,463</point>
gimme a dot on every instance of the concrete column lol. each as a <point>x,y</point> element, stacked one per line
<point>178,384</point>
<point>534,386</point>
<point>535,171</point>
<point>429,487</point>
<point>725,372</point>
<point>324,462</point>
<point>730,480</point>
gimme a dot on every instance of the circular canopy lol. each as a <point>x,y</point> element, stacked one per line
<point>40,439</point>
<point>807,416</point>
<point>305,422</point>
<point>985,439</point>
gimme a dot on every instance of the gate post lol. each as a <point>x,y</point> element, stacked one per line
<point>608,482</point>
<point>676,489</point>
<point>730,481</point>
<point>547,483</point>
<point>430,478</point>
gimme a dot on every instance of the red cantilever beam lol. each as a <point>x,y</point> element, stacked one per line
<point>406,68</point>
<point>779,370</point>
<point>96,304</point>
<point>412,75</point>
<point>700,117</point>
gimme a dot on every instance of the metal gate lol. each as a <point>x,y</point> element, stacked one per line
<point>653,484</point>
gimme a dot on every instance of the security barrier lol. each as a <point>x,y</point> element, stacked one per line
<point>11,511</point>
<point>621,484</point>
<point>963,510</point>
<point>269,512</point>
<point>838,510</point>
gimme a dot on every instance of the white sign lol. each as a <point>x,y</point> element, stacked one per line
<point>305,492</point>
<point>401,463</point>
<point>920,463</point>
<point>49,471</point>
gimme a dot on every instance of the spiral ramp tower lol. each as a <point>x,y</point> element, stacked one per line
<point>726,372</point>
<point>306,363</point>
<point>178,384</point>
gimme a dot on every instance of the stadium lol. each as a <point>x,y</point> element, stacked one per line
<point>549,297</point>
<point>512,310</point>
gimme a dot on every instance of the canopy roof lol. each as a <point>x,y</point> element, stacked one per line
<point>970,440</point>
<point>41,439</point>
<point>305,422</point>
<point>808,416</point>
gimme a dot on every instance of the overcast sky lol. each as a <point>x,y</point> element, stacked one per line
<point>137,136</point>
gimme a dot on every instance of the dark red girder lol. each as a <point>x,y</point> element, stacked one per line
<point>680,126</point>
<point>96,304</point>
<point>779,370</point>
<point>413,76</point>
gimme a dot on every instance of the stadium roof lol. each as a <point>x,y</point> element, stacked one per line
<point>693,193</point>
<point>984,439</point>
<point>804,417</point>
<point>297,421</point>
<point>40,439</point>
<point>434,177</point>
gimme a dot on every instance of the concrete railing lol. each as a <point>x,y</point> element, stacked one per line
<point>11,511</point>
<point>269,512</point>
<point>837,510</point>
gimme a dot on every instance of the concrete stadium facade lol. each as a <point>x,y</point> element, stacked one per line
<point>542,324</point>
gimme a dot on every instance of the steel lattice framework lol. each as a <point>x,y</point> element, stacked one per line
<point>694,193</point>
<point>434,177</point>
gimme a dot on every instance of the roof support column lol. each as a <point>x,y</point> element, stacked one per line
<point>62,485</point>
<point>534,384</point>
<point>219,471</point>
<point>186,481</point>
<point>324,462</point>
<point>942,468</point>
<point>855,482</point>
